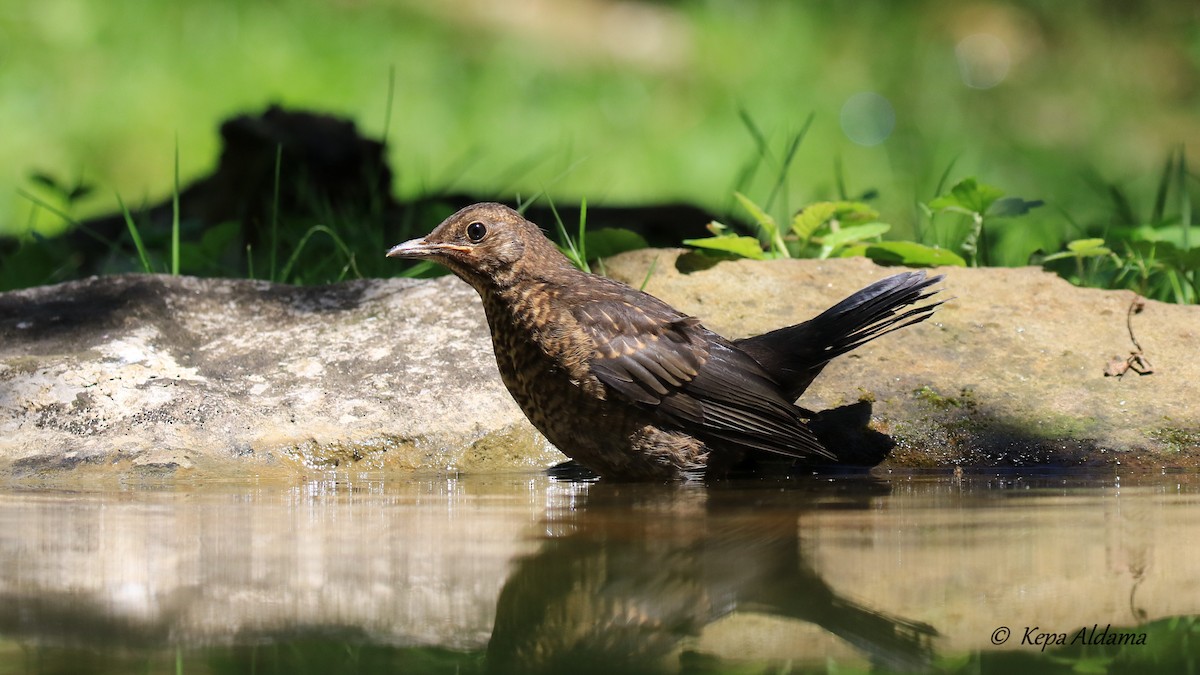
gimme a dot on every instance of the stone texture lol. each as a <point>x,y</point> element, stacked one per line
<point>154,373</point>
<point>1010,371</point>
<point>150,375</point>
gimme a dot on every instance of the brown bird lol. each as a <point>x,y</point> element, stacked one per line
<point>630,387</point>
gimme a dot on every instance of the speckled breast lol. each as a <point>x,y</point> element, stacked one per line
<point>583,426</point>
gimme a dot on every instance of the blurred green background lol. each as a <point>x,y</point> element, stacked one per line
<point>1065,101</point>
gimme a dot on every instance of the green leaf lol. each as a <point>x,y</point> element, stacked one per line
<point>853,234</point>
<point>1185,261</point>
<point>1173,234</point>
<point>912,254</point>
<point>1081,248</point>
<point>47,181</point>
<point>746,247</point>
<point>1085,245</point>
<point>764,219</point>
<point>1012,206</point>
<point>719,229</point>
<point>67,193</point>
<point>79,192</point>
<point>856,212</point>
<point>811,218</point>
<point>193,256</point>
<point>606,242</point>
<point>968,195</point>
<point>218,238</point>
<point>1149,251</point>
<point>35,262</point>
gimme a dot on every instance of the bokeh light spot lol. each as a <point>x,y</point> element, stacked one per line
<point>868,118</point>
<point>983,60</point>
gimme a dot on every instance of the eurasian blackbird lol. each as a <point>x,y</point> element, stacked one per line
<point>630,387</point>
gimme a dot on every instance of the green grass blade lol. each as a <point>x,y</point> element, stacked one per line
<point>573,251</point>
<point>136,236</point>
<point>524,204</point>
<point>175,214</point>
<point>419,270</point>
<point>316,229</point>
<point>649,273</point>
<point>517,171</point>
<point>455,169</point>
<point>275,213</point>
<point>1164,187</point>
<point>760,141</point>
<point>387,108</point>
<point>1120,203</point>
<point>1185,221</point>
<point>41,203</point>
<point>780,186</point>
<point>745,176</point>
<point>945,177</point>
<point>1185,198</point>
<point>582,228</point>
<point>839,177</point>
<point>1176,287</point>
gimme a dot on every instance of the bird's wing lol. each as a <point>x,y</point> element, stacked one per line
<point>650,355</point>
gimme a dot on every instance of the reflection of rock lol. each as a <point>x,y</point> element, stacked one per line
<point>154,374</point>
<point>641,570</point>
<point>148,568</point>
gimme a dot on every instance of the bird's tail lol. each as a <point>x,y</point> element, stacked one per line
<point>890,642</point>
<point>796,354</point>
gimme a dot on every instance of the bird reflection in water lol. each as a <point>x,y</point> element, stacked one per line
<point>630,575</point>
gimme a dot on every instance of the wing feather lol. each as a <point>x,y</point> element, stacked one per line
<point>692,379</point>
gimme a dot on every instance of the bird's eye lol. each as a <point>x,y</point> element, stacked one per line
<point>476,231</point>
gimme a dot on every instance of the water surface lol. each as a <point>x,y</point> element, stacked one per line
<point>520,573</point>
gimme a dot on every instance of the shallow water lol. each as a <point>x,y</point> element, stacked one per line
<point>520,573</point>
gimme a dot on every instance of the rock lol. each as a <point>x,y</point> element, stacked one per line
<point>154,375</point>
<point>1009,372</point>
<point>147,374</point>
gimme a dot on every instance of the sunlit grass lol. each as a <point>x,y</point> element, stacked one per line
<point>722,98</point>
<point>100,90</point>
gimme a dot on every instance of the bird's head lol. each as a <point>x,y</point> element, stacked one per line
<point>487,245</point>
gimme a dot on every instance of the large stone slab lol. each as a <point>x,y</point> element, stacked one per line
<point>158,373</point>
<point>148,375</point>
<point>1010,371</point>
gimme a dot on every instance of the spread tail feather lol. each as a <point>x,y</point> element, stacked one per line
<point>796,354</point>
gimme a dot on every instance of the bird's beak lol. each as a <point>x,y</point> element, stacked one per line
<point>419,248</point>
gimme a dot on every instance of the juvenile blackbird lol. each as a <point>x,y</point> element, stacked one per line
<point>630,387</point>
